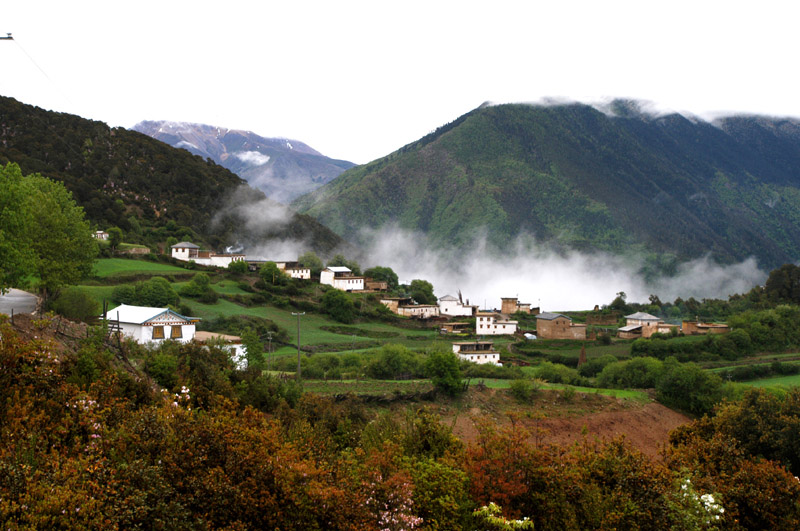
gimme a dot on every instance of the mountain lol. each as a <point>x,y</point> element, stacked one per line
<point>283,169</point>
<point>576,177</point>
<point>149,189</point>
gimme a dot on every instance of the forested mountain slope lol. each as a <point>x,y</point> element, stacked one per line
<point>577,177</point>
<point>127,179</point>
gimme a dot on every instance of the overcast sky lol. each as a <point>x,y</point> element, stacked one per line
<point>358,80</point>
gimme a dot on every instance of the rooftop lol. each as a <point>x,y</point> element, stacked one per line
<point>141,314</point>
<point>642,316</point>
<point>547,316</point>
<point>188,245</point>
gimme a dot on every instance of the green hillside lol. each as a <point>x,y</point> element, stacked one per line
<point>150,190</point>
<point>574,176</point>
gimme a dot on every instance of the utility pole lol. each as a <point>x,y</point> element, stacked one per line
<point>269,352</point>
<point>298,342</point>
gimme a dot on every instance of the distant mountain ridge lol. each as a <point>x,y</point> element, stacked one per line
<point>573,176</point>
<point>283,169</point>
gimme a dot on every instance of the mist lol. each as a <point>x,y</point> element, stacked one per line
<point>554,280</point>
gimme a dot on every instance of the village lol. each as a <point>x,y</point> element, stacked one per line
<point>451,316</point>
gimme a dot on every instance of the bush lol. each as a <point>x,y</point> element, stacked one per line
<point>557,373</point>
<point>638,373</point>
<point>77,305</point>
<point>521,389</point>
<point>688,387</point>
<point>443,369</point>
<point>593,366</point>
<point>394,362</point>
<point>338,305</point>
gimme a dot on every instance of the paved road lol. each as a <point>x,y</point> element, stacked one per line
<point>20,301</point>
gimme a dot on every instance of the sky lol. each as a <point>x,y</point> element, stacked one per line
<point>358,80</point>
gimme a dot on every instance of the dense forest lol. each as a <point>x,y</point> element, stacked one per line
<point>576,177</point>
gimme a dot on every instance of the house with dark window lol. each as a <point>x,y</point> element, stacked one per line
<point>145,324</point>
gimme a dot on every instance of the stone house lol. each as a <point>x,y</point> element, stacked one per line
<point>188,252</point>
<point>558,326</point>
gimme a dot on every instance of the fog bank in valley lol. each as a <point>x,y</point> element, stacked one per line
<point>555,281</point>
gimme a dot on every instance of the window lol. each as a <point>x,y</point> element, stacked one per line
<point>158,332</point>
<point>176,332</point>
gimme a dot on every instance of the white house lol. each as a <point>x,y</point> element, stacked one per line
<point>101,235</point>
<point>419,311</point>
<point>449,305</point>
<point>342,278</point>
<point>477,352</point>
<point>294,270</point>
<point>487,324</point>
<point>233,344</point>
<point>145,324</point>
<point>187,251</point>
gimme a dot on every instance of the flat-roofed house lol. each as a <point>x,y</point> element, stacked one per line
<point>146,324</point>
<point>294,270</point>
<point>187,251</point>
<point>477,352</point>
<point>342,278</point>
<point>558,326</point>
<point>449,305</point>
<point>492,324</point>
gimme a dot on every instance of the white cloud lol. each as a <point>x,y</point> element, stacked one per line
<point>253,158</point>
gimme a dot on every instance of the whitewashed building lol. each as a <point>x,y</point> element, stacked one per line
<point>342,278</point>
<point>477,352</point>
<point>419,311</point>
<point>146,324</point>
<point>188,252</point>
<point>294,270</point>
<point>488,324</point>
<point>449,305</point>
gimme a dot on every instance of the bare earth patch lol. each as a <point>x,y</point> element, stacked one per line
<point>550,419</point>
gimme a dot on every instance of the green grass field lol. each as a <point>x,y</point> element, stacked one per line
<point>778,381</point>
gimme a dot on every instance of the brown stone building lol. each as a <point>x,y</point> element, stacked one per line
<point>558,326</point>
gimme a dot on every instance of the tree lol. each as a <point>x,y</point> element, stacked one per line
<point>238,267</point>
<point>338,305</point>
<point>783,284</point>
<point>16,254</point>
<point>443,369</point>
<point>311,261</point>
<point>341,261</point>
<point>271,275</point>
<point>44,232</point>
<point>385,274</point>
<point>114,237</point>
<point>422,292</point>
<point>254,348</point>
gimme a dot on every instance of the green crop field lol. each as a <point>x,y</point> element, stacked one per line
<point>106,267</point>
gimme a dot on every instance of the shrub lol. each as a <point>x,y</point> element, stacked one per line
<point>557,373</point>
<point>443,369</point>
<point>394,362</point>
<point>338,305</point>
<point>75,304</point>
<point>638,373</point>
<point>688,387</point>
<point>521,389</point>
<point>593,366</point>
